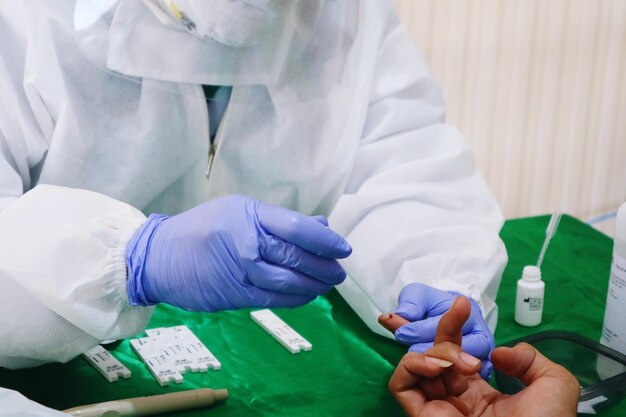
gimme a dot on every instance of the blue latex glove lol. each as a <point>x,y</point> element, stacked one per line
<point>233,252</point>
<point>423,306</point>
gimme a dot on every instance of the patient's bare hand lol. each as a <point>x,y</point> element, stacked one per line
<point>443,381</point>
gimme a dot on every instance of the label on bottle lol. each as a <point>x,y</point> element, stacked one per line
<point>614,329</point>
<point>528,303</point>
<point>534,303</point>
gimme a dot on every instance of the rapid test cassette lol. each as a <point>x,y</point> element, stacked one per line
<point>169,352</point>
<point>106,364</point>
<point>281,331</point>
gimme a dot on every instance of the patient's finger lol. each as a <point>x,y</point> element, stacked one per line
<point>433,389</point>
<point>412,367</point>
<point>527,364</point>
<point>463,362</point>
<point>391,321</point>
<point>447,346</point>
<point>451,323</point>
<point>455,383</point>
<point>404,383</point>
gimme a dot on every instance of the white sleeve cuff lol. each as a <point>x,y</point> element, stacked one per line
<point>63,275</point>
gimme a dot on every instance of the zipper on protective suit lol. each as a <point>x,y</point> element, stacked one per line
<point>212,152</point>
<point>213,142</point>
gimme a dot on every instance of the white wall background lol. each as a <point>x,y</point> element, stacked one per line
<point>539,88</point>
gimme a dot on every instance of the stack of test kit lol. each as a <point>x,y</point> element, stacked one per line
<point>169,352</point>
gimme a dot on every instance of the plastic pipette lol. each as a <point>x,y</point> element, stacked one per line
<point>550,231</point>
<point>368,295</point>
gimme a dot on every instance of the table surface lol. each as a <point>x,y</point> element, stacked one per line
<point>347,371</point>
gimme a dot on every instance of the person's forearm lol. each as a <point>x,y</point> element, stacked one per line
<point>65,274</point>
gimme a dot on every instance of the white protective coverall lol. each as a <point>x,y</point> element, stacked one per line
<point>85,155</point>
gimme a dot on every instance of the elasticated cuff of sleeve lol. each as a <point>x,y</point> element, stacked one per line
<point>136,252</point>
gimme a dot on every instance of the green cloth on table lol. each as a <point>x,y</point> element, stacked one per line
<point>347,371</point>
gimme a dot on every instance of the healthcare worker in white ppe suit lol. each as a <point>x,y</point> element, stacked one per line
<point>221,155</point>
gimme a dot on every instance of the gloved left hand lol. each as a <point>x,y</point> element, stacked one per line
<point>423,306</point>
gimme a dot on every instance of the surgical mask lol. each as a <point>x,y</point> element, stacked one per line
<point>234,23</point>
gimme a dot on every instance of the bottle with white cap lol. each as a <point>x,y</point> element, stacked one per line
<point>529,298</point>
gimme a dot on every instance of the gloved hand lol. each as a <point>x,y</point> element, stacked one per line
<point>423,306</point>
<point>233,252</point>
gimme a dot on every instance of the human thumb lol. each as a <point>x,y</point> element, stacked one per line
<point>527,364</point>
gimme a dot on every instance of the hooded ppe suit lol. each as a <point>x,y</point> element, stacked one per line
<point>84,154</point>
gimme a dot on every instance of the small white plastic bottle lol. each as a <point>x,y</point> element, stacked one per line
<point>614,329</point>
<point>529,298</point>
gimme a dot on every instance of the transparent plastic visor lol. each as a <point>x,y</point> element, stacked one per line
<point>289,50</point>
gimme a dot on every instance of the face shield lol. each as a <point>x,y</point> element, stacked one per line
<point>293,50</point>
